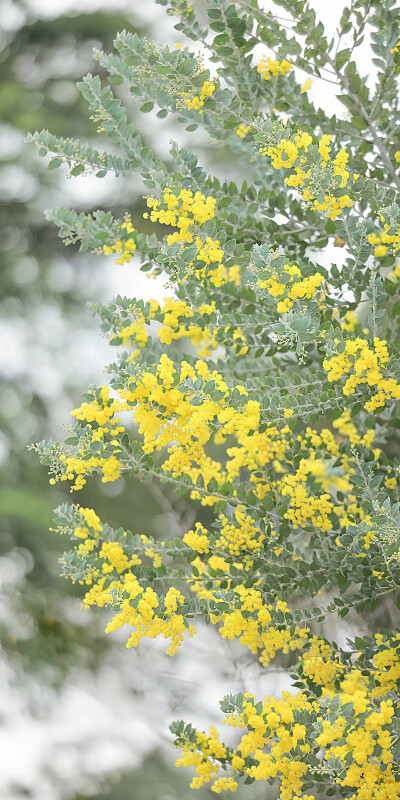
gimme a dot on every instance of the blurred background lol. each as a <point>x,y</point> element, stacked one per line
<point>80,716</point>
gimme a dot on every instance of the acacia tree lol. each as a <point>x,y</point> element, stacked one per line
<point>266,389</point>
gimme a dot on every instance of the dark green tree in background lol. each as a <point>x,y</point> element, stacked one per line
<point>39,62</point>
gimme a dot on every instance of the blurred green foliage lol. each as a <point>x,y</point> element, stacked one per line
<point>39,62</point>
<point>156,779</point>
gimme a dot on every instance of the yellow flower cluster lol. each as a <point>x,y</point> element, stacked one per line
<point>291,154</point>
<point>204,571</point>
<point>184,215</point>
<point>182,211</point>
<point>268,68</point>
<point>239,535</point>
<point>256,451</point>
<point>196,102</point>
<point>319,664</point>
<point>275,724</point>
<point>287,151</point>
<point>346,427</point>
<point>272,734</point>
<point>115,558</point>
<point>198,539</point>
<point>363,748</point>
<point>349,322</point>
<point>288,514</point>
<point>100,412</point>
<point>363,365</point>
<point>186,212</point>
<point>305,508</point>
<point>347,729</point>
<point>242,130</point>
<point>112,582</point>
<point>221,275</point>
<point>210,252</point>
<point>203,755</point>
<point>386,674</point>
<point>126,244</point>
<point>91,519</point>
<point>277,739</point>
<point>168,418</point>
<point>141,610</point>
<point>249,620</point>
<point>135,332</point>
<point>87,530</point>
<point>288,290</point>
<point>171,417</point>
<point>176,318</point>
<point>384,242</point>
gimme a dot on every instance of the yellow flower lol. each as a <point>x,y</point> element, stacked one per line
<point>267,67</point>
<point>306,85</point>
<point>242,130</point>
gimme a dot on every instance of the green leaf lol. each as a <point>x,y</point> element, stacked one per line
<point>55,163</point>
<point>96,446</point>
<point>133,61</point>
<point>342,57</point>
<point>71,440</point>
<point>359,123</point>
<point>78,170</point>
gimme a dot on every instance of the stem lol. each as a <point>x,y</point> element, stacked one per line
<point>267,16</point>
<point>364,114</point>
<point>379,144</point>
